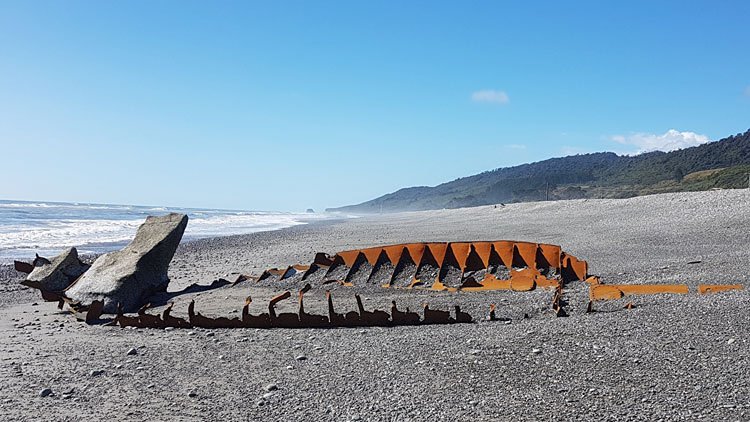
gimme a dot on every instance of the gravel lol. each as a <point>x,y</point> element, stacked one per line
<point>670,358</point>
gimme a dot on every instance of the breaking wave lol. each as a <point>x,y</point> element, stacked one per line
<point>46,228</point>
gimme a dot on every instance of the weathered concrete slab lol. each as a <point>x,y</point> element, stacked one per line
<point>57,274</point>
<point>130,276</point>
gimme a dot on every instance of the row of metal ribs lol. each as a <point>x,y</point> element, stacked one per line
<point>484,265</point>
<point>272,319</point>
<point>465,266</point>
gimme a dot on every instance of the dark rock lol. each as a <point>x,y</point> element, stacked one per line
<point>130,276</point>
<point>271,387</point>
<point>57,274</point>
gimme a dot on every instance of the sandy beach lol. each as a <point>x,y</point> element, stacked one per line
<point>681,357</point>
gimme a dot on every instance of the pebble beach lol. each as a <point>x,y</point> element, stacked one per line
<point>672,357</point>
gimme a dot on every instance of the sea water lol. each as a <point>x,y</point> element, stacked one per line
<point>46,228</point>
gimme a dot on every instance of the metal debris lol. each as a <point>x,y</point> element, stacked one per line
<point>451,266</point>
<point>302,319</point>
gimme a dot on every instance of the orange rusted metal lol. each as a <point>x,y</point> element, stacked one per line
<point>715,288</point>
<point>449,266</point>
<point>438,266</point>
<point>651,289</point>
<point>617,291</point>
<point>604,292</point>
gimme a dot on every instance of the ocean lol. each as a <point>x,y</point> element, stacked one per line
<point>46,228</point>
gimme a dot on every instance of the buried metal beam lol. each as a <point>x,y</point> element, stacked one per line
<point>715,288</point>
<point>600,291</point>
<point>617,291</point>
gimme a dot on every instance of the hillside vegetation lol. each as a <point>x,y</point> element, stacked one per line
<point>722,164</point>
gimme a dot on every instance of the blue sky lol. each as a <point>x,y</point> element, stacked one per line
<point>289,105</point>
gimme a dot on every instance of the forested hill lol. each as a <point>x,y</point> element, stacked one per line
<point>722,164</point>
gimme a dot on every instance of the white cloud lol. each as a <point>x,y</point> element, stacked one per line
<point>490,96</point>
<point>747,91</point>
<point>516,146</point>
<point>669,141</point>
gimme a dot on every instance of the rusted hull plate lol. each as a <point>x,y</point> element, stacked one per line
<point>716,288</point>
<point>451,266</point>
<point>600,291</point>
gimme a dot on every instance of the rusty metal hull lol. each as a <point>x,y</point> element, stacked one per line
<point>436,266</point>
<point>301,319</point>
<point>444,266</point>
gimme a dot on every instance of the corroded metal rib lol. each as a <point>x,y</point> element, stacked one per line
<point>452,266</point>
<point>302,319</point>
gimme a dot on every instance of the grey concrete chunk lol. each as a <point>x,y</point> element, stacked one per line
<point>130,276</point>
<point>57,274</point>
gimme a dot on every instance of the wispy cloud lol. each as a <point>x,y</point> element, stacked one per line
<point>747,91</point>
<point>490,96</point>
<point>669,141</point>
<point>516,146</point>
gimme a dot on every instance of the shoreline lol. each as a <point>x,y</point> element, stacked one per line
<point>6,259</point>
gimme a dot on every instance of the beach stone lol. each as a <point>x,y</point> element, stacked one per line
<point>132,351</point>
<point>57,274</point>
<point>45,392</point>
<point>130,276</point>
<point>271,387</point>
